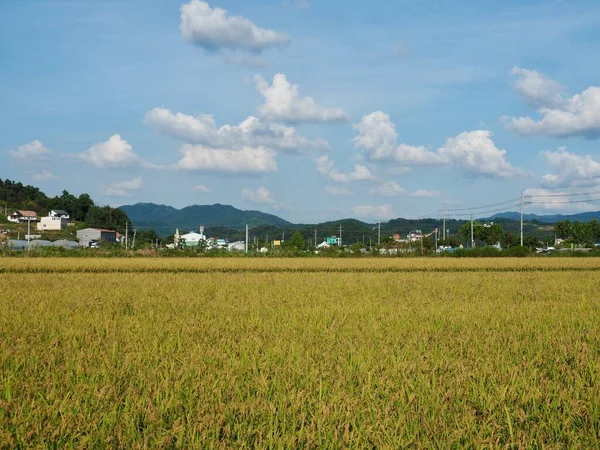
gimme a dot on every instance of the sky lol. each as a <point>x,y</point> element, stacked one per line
<point>312,110</point>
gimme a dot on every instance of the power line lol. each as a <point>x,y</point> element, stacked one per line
<point>579,194</point>
<point>484,206</point>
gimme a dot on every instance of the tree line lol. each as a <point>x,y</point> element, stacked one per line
<point>15,195</point>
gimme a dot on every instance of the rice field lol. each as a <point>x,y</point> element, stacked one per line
<point>299,353</point>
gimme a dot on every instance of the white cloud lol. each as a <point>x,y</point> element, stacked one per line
<point>388,189</point>
<point>475,153</point>
<point>571,169</point>
<point>283,103</point>
<point>393,189</point>
<point>378,136</point>
<point>246,160</point>
<point>262,196</point>
<point>376,212</point>
<point>250,133</point>
<point>123,188</point>
<point>537,89</point>
<point>248,61</point>
<point>34,151</point>
<point>560,115</point>
<point>472,152</point>
<point>423,193</point>
<point>326,167</point>
<point>200,188</point>
<point>338,191</point>
<point>214,28</point>
<point>44,175</point>
<point>113,153</point>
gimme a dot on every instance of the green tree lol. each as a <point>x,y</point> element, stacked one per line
<point>297,241</point>
<point>493,233</point>
<point>564,229</point>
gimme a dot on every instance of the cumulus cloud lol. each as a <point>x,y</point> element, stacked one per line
<point>213,29</point>
<point>472,152</point>
<point>378,137</point>
<point>284,103</point>
<point>338,191</point>
<point>326,167</point>
<point>123,188</point>
<point>475,153</point>
<point>200,188</point>
<point>251,132</point>
<point>247,61</point>
<point>572,170</point>
<point>393,189</point>
<point>374,212</point>
<point>34,151</point>
<point>560,115</point>
<point>245,160</point>
<point>113,153</point>
<point>388,189</point>
<point>423,193</point>
<point>262,196</point>
<point>44,175</point>
<point>537,89</point>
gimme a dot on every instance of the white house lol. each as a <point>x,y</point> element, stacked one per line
<point>22,216</point>
<point>414,236</point>
<point>59,213</point>
<point>50,223</point>
<point>192,239</point>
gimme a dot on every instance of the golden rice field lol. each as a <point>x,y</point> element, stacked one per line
<point>299,353</point>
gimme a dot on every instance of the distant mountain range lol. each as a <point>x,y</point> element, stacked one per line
<point>162,217</point>
<point>552,218</point>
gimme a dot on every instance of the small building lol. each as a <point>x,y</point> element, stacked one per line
<point>22,216</point>
<point>59,213</point>
<point>414,236</point>
<point>238,246</point>
<point>87,236</point>
<point>192,239</point>
<point>52,223</point>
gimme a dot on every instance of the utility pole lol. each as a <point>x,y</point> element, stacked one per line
<point>436,240</point>
<point>522,218</point>
<point>444,223</point>
<point>472,241</point>
<point>126,234</point>
<point>246,238</point>
<point>340,235</point>
<point>133,243</point>
<point>28,233</point>
<point>379,232</point>
<point>315,237</point>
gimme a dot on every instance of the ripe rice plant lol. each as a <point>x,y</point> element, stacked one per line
<point>299,353</point>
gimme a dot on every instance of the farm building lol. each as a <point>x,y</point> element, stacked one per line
<point>22,216</point>
<point>192,239</point>
<point>89,235</point>
<point>52,223</point>
<point>59,213</point>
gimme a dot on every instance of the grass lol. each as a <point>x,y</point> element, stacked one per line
<point>315,354</point>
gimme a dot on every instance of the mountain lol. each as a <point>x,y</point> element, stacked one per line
<point>553,218</point>
<point>165,219</point>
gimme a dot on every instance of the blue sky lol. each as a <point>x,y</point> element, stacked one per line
<point>312,110</point>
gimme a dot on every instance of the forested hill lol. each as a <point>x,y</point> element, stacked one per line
<point>161,217</point>
<point>15,195</point>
